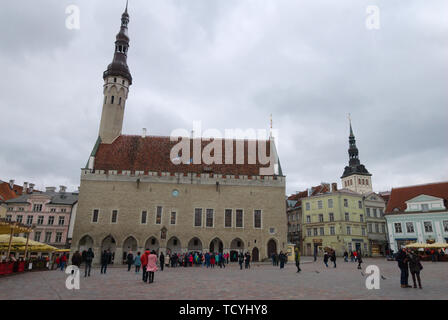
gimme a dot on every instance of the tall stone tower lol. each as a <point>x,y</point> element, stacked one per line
<point>117,79</point>
<point>355,176</point>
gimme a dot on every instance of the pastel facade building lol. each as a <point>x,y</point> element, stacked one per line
<point>417,214</point>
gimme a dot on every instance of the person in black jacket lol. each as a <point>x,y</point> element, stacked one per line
<point>415,266</point>
<point>130,260</point>
<point>403,264</point>
<point>333,257</point>
<point>88,261</point>
<point>162,261</point>
<point>241,260</point>
<point>77,259</point>
<point>105,257</point>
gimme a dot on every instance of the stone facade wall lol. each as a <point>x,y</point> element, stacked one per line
<point>132,194</point>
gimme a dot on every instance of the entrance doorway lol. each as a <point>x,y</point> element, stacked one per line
<point>272,248</point>
<point>255,254</point>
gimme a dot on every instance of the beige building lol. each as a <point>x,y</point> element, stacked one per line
<point>136,195</point>
<point>376,224</point>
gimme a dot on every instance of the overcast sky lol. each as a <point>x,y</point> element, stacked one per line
<point>230,64</point>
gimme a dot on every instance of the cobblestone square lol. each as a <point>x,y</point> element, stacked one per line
<point>262,281</point>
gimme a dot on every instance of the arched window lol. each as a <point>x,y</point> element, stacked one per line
<point>112,100</point>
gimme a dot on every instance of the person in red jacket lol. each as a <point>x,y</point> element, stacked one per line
<point>212,260</point>
<point>144,261</point>
<point>63,261</point>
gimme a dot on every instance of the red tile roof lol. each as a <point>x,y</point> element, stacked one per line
<point>399,196</point>
<point>152,153</point>
<point>7,193</point>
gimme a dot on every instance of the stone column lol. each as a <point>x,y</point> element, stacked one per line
<point>118,260</point>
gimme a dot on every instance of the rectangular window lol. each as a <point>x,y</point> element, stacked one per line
<point>173,217</point>
<point>308,232</point>
<point>47,237</point>
<point>368,212</point>
<point>346,203</point>
<point>144,217</point>
<point>114,216</point>
<point>315,231</point>
<point>330,203</point>
<point>445,225</point>
<point>159,215</point>
<point>374,212</point>
<point>19,219</point>
<point>308,219</point>
<point>239,218</point>
<point>347,216</point>
<point>9,217</point>
<point>228,218</point>
<point>37,236</point>
<point>360,204</point>
<point>257,219</point>
<point>29,220</point>
<point>428,226</point>
<point>37,207</point>
<point>319,204</point>
<point>349,230</point>
<point>332,231</point>
<point>321,231</point>
<point>381,212</point>
<point>198,217</point>
<point>58,237</point>
<point>361,218</point>
<point>383,228</point>
<point>369,228</point>
<point>64,210</point>
<point>95,215</point>
<point>363,231</point>
<point>321,218</point>
<point>50,220</point>
<point>425,207</point>
<point>61,221</point>
<point>398,228</point>
<point>307,205</point>
<point>53,210</point>
<point>10,209</point>
<point>40,220</point>
<point>331,216</point>
<point>409,227</point>
<point>209,218</point>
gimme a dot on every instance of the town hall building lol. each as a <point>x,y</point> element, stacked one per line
<point>134,195</point>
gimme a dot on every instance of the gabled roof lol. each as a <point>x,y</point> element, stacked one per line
<point>399,196</point>
<point>67,198</point>
<point>152,153</point>
<point>423,197</point>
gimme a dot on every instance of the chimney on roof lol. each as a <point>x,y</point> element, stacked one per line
<point>31,188</point>
<point>25,187</point>
<point>144,133</point>
<point>309,191</point>
<point>11,184</point>
<point>62,189</point>
<point>50,189</point>
<point>334,187</point>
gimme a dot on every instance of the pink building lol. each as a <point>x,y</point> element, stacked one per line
<point>51,214</point>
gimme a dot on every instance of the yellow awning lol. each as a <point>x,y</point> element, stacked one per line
<point>417,245</point>
<point>19,243</point>
<point>438,245</point>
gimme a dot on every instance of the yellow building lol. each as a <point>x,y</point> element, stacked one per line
<point>334,219</point>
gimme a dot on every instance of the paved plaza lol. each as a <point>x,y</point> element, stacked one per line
<point>262,281</point>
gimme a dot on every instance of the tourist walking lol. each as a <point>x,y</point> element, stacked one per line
<point>415,266</point>
<point>333,257</point>
<point>88,261</point>
<point>144,260</point>
<point>326,259</point>
<point>152,266</point>
<point>241,260</point>
<point>355,255</point>
<point>167,260</point>
<point>359,259</point>
<point>212,260</point>
<point>352,256</point>
<point>161,261</point>
<point>282,258</point>
<point>104,261</point>
<point>247,260</point>
<point>137,262</point>
<point>273,259</point>
<point>130,260</point>
<point>345,256</point>
<point>297,259</point>
<point>63,261</point>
